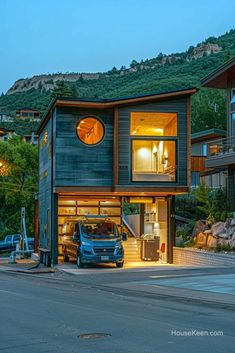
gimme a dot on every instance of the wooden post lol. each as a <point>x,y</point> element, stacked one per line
<point>54,229</point>
<point>36,226</point>
<point>142,211</point>
<point>170,228</point>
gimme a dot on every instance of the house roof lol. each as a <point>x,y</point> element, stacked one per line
<point>26,108</point>
<point>4,131</point>
<point>113,102</point>
<point>219,78</point>
<point>205,135</point>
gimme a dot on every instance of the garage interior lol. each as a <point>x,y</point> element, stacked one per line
<point>147,228</point>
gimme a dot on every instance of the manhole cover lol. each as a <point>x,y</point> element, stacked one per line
<point>93,336</point>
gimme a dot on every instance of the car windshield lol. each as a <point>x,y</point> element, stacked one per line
<point>99,230</point>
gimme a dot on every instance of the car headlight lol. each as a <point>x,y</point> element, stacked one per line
<point>85,243</point>
<point>118,246</point>
<point>118,249</point>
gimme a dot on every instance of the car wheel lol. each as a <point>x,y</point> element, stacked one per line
<point>119,264</point>
<point>79,262</point>
<point>65,257</point>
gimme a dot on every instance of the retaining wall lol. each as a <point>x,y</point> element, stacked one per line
<point>190,256</point>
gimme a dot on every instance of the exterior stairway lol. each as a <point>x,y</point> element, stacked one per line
<point>132,250</point>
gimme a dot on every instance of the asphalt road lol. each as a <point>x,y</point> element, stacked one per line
<point>50,313</point>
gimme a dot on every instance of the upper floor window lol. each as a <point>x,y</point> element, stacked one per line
<point>153,124</point>
<point>153,160</point>
<point>90,130</point>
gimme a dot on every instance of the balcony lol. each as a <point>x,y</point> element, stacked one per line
<point>221,153</point>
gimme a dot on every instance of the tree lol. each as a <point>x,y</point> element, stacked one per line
<point>204,114</point>
<point>18,185</point>
<point>133,63</point>
<point>211,204</point>
<point>62,89</point>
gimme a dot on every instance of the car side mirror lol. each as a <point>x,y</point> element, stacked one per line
<point>124,236</point>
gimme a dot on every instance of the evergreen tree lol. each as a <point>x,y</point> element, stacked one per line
<point>62,89</point>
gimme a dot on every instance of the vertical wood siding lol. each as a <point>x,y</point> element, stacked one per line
<point>77,164</point>
<point>45,187</point>
<point>124,146</point>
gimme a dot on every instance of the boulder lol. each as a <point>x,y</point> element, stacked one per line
<point>201,239</point>
<point>230,231</point>
<point>230,226</point>
<point>199,227</point>
<point>218,228</point>
<point>211,241</point>
<point>232,243</point>
<point>208,231</point>
<point>223,235</point>
<point>232,222</point>
<point>222,241</point>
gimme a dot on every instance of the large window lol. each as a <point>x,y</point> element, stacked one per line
<point>153,124</point>
<point>232,107</point>
<point>90,130</point>
<point>153,160</point>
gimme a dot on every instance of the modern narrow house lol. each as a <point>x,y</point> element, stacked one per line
<point>213,178</point>
<point>221,152</point>
<point>96,155</point>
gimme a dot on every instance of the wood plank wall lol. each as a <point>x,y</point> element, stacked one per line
<point>78,164</point>
<point>124,146</point>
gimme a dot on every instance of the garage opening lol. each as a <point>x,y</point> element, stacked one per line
<point>74,207</point>
<point>143,219</point>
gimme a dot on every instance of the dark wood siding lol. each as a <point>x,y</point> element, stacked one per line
<point>77,164</point>
<point>124,145</point>
<point>45,186</point>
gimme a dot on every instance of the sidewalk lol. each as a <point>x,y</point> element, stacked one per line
<point>23,266</point>
<point>206,289</point>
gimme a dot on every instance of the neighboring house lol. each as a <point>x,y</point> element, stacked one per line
<point>28,113</point>
<point>6,118</point>
<point>31,138</point>
<point>221,153</point>
<point>96,154</point>
<point>5,134</point>
<point>212,177</point>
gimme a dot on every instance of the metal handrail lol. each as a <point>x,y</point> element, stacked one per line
<point>221,146</point>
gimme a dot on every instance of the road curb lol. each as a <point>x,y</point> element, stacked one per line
<point>15,270</point>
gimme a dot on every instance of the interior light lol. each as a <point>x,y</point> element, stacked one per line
<point>160,131</point>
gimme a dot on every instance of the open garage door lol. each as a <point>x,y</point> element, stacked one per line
<point>75,206</point>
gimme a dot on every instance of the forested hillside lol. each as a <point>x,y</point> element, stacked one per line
<point>165,72</point>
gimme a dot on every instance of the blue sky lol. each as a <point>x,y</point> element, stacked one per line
<point>46,36</point>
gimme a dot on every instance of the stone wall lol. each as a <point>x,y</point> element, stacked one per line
<point>190,256</point>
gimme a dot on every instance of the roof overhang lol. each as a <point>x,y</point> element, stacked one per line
<point>220,77</point>
<point>112,103</point>
<point>207,135</point>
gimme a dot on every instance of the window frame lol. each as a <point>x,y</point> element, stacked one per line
<point>154,138</point>
<point>93,117</point>
<point>158,112</point>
